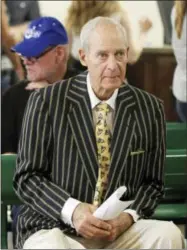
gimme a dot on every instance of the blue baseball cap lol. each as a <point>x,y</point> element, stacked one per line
<point>41,33</point>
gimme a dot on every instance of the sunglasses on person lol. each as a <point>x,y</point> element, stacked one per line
<point>34,59</point>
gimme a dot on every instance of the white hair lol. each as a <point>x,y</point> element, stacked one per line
<point>91,25</point>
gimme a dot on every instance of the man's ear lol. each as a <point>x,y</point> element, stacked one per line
<point>61,53</point>
<point>83,57</point>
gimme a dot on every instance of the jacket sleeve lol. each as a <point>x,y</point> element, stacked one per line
<point>32,180</point>
<point>152,189</point>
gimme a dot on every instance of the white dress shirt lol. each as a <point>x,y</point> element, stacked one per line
<point>71,203</point>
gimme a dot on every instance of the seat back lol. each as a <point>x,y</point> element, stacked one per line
<point>176,175</point>
<point>8,196</point>
<point>176,134</point>
<point>8,164</point>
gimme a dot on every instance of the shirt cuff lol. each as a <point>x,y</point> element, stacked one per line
<point>68,209</point>
<point>133,213</point>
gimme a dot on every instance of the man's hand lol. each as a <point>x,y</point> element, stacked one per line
<point>87,225</point>
<point>37,85</point>
<point>119,225</point>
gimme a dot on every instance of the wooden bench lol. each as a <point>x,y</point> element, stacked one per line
<point>173,206</point>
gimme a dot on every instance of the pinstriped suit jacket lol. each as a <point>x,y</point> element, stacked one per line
<point>57,156</point>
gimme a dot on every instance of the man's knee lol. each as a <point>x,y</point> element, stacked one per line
<point>169,235</point>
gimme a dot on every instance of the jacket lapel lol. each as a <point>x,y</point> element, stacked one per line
<point>123,129</point>
<point>81,123</point>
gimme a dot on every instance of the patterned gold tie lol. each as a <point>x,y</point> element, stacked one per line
<point>103,138</point>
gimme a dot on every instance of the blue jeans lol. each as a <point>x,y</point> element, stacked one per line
<point>181,108</point>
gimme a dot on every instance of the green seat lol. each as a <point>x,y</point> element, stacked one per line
<point>8,196</point>
<point>176,135</point>
<point>171,212</point>
<point>176,174</point>
<point>174,204</point>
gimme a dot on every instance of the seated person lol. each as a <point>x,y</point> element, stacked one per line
<point>81,139</point>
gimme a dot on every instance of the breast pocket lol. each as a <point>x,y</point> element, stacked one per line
<point>137,152</point>
<point>136,164</point>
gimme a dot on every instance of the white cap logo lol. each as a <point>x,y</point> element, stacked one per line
<point>32,33</point>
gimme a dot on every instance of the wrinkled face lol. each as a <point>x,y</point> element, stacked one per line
<point>106,60</point>
<point>43,67</point>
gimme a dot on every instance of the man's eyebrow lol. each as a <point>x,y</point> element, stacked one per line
<point>101,51</point>
<point>106,51</point>
<point>120,50</point>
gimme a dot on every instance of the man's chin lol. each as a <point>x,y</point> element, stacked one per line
<point>33,78</point>
<point>112,84</point>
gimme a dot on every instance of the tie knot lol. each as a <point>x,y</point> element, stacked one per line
<point>102,108</point>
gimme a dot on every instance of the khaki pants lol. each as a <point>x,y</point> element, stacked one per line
<point>144,234</point>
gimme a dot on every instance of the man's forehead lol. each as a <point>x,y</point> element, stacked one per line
<point>107,45</point>
<point>110,50</point>
<point>105,36</point>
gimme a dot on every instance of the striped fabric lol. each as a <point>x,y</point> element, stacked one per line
<point>57,156</point>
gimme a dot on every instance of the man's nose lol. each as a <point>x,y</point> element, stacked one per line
<point>112,63</point>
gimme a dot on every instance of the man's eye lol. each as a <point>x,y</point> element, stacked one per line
<point>120,53</point>
<point>102,55</point>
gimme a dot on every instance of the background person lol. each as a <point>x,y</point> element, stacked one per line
<point>179,42</point>
<point>20,13</point>
<point>9,59</point>
<point>45,63</point>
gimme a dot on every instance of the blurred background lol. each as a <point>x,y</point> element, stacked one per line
<point>136,10</point>
<point>154,69</point>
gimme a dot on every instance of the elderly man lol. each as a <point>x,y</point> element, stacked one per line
<point>83,139</point>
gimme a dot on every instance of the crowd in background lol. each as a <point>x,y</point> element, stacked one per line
<point>14,24</point>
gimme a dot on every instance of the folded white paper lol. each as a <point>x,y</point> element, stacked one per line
<point>112,207</point>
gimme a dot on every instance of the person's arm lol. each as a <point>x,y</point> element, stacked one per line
<point>17,31</point>
<point>152,189</point>
<point>135,48</point>
<point>8,41</point>
<point>33,172</point>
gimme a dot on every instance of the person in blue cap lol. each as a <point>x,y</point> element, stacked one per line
<point>44,51</point>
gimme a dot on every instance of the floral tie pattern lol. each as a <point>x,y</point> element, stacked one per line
<point>103,139</point>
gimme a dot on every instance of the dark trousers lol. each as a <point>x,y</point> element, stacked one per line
<point>8,78</point>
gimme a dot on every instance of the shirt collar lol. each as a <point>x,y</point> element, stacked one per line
<point>95,100</point>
